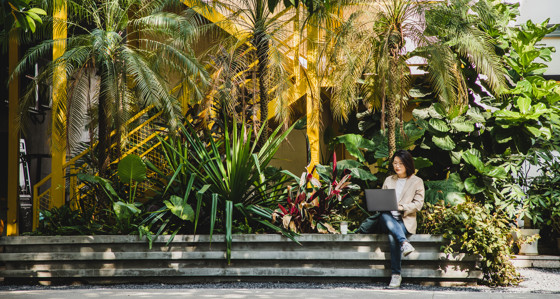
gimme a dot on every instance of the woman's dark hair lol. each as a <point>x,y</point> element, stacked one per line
<point>407,161</point>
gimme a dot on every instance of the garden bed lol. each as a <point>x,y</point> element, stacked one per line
<point>188,258</point>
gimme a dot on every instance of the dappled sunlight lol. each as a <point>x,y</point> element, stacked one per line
<point>337,293</point>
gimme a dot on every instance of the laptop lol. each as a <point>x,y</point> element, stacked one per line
<point>381,200</point>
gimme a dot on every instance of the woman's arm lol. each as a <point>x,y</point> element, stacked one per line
<point>417,201</point>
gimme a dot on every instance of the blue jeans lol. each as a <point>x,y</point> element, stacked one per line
<point>397,235</point>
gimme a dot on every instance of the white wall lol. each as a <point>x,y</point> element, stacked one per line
<point>539,10</point>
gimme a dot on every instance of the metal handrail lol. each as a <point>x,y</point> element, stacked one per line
<point>37,197</point>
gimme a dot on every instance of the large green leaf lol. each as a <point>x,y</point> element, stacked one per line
<point>496,172</point>
<point>421,162</point>
<point>104,183</point>
<point>463,126</point>
<point>355,144</point>
<point>445,143</point>
<point>356,170</point>
<point>132,169</point>
<point>439,125</point>
<point>509,116</point>
<point>124,210</point>
<point>447,190</point>
<point>473,159</point>
<point>475,114</point>
<point>180,208</point>
<point>472,187</point>
<point>457,182</point>
<point>533,130</point>
<point>455,156</point>
<point>440,109</point>
<point>524,105</point>
<point>546,132</point>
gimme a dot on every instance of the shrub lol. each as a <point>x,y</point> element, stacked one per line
<point>65,221</point>
<point>312,204</point>
<point>473,229</point>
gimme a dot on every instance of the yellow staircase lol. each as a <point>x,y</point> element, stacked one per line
<point>141,140</point>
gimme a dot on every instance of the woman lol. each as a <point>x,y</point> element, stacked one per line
<point>397,224</point>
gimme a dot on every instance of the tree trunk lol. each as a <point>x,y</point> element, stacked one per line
<point>261,43</point>
<point>102,134</point>
<point>391,120</point>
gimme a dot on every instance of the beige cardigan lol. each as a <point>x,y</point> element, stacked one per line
<point>411,199</point>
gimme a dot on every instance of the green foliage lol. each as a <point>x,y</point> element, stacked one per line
<point>473,229</point>
<point>131,169</point>
<point>102,47</point>
<point>21,14</point>
<point>232,168</point>
<point>131,172</point>
<point>529,113</point>
<point>65,221</point>
<point>313,6</point>
<point>463,49</point>
<point>372,144</point>
<point>542,205</point>
<point>525,49</point>
<point>311,203</point>
<point>172,213</point>
<point>356,170</point>
<point>449,191</point>
<point>485,161</point>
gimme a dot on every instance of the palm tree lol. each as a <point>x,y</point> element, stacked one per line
<point>260,32</point>
<point>372,47</point>
<point>117,58</point>
<point>463,49</point>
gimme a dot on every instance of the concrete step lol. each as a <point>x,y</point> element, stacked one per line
<point>252,256</point>
<point>220,255</point>
<point>423,273</point>
<point>536,261</point>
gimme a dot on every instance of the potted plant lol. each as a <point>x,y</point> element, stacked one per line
<point>533,214</point>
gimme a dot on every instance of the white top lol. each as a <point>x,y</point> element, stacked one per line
<point>398,190</point>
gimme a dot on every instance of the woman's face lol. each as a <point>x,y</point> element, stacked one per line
<point>399,168</point>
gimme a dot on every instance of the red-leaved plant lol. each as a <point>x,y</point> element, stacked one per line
<point>310,203</point>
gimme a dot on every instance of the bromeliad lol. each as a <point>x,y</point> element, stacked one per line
<point>308,210</point>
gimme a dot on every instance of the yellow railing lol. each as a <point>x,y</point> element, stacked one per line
<point>142,141</point>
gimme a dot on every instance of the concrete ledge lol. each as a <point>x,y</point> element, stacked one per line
<point>247,238</point>
<point>187,257</point>
<point>536,261</point>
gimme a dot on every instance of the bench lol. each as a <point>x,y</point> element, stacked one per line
<point>268,257</point>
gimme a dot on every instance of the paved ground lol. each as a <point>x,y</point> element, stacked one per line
<point>539,283</point>
<point>262,294</point>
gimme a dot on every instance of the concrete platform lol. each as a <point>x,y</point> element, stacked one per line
<point>536,261</point>
<point>117,259</point>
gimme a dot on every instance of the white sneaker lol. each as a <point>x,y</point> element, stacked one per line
<point>395,281</point>
<point>406,248</point>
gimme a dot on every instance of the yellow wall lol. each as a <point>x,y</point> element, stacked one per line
<point>292,154</point>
